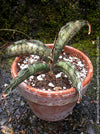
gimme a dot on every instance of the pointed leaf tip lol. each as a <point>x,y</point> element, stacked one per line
<point>89,25</point>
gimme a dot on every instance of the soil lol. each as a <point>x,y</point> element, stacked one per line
<point>57,81</point>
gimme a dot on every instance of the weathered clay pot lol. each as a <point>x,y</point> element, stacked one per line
<point>53,105</point>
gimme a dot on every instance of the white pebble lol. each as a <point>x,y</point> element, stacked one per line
<point>49,89</point>
<point>43,75</point>
<point>32,56</point>
<point>79,63</point>
<point>65,59</point>
<point>33,84</point>
<point>70,57</point>
<point>32,76</point>
<point>82,75</point>
<point>64,53</point>
<point>5,85</point>
<point>75,58</point>
<point>64,87</point>
<point>83,71</point>
<point>70,60</point>
<point>51,84</point>
<point>24,66</point>
<point>39,78</point>
<point>65,75</point>
<point>60,57</point>
<point>25,81</point>
<point>36,57</point>
<point>26,59</point>
<point>24,62</point>
<point>58,75</point>
<point>32,61</point>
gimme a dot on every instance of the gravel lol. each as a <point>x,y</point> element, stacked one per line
<point>59,81</point>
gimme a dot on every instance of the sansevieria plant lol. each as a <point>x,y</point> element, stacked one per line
<point>50,57</point>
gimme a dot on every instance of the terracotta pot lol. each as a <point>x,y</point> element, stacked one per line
<point>53,105</point>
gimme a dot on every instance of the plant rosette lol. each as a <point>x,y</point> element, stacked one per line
<point>54,105</point>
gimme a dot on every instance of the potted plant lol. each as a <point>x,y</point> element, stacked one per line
<point>50,105</point>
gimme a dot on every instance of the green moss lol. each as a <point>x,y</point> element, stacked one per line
<point>6,63</point>
<point>87,47</point>
<point>44,0</point>
<point>44,20</point>
<point>48,17</point>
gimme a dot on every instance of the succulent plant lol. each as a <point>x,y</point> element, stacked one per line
<point>50,57</point>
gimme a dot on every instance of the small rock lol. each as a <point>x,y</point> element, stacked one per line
<point>24,62</point>
<point>64,87</point>
<point>5,85</point>
<point>36,57</point>
<point>79,63</point>
<point>49,89</point>
<point>65,75</point>
<point>25,81</point>
<point>32,56</point>
<point>32,61</point>
<point>18,64</point>
<point>39,78</point>
<point>51,84</point>
<point>33,84</point>
<point>58,75</point>
<point>60,57</point>
<point>64,53</point>
<point>24,66</point>
<point>43,75</point>
<point>31,77</point>
<point>65,59</point>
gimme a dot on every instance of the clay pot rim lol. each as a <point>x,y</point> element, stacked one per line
<point>53,93</point>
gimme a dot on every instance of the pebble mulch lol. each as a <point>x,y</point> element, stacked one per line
<point>59,81</point>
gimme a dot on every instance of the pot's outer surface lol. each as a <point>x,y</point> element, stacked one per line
<point>54,105</point>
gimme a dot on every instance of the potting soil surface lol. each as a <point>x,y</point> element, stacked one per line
<point>52,82</point>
